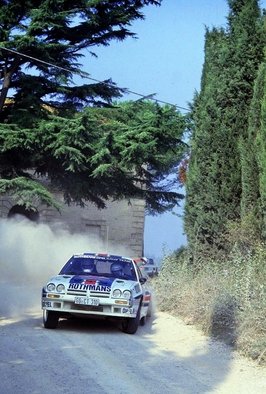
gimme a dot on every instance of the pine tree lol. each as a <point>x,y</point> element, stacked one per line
<point>99,153</point>
<point>57,32</point>
<point>47,126</point>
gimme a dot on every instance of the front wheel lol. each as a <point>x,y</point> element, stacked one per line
<point>50,319</point>
<point>131,324</point>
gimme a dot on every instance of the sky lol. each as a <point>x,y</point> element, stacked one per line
<point>166,59</point>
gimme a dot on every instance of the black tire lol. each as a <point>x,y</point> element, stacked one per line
<point>131,324</point>
<point>50,319</point>
<point>142,321</point>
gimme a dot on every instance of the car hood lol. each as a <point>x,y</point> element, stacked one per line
<point>91,282</point>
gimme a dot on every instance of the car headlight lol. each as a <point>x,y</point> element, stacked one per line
<point>50,287</point>
<point>127,294</point>
<point>60,288</point>
<point>117,293</point>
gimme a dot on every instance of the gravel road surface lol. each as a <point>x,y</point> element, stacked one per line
<point>95,357</point>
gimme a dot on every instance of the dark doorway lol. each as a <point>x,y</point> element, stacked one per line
<point>23,211</point>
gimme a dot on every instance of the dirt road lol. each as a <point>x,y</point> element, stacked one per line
<point>95,357</point>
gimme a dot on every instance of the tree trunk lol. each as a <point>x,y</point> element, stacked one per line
<point>7,80</point>
<point>4,91</point>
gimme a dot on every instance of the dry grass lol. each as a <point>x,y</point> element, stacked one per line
<point>227,300</point>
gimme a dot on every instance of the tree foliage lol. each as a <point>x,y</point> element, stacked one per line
<point>261,155</point>
<point>41,44</point>
<point>122,152</point>
<point>252,150</point>
<point>51,130</point>
<point>220,115</point>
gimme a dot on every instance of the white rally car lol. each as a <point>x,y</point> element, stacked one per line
<point>98,284</point>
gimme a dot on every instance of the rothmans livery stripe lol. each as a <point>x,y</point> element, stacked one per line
<point>80,283</point>
<point>92,280</point>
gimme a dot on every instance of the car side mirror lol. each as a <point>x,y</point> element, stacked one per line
<point>142,280</point>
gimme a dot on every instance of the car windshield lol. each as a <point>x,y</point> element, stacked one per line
<point>97,266</point>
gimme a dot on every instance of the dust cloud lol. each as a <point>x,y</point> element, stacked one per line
<point>30,254</point>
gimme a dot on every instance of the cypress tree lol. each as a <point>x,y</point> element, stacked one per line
<point>204,181</point>
<point>261,145</point>
<point>253,161</point>
<point>214,185</point>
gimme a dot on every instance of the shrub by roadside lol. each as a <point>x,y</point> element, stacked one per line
<point>226,299</point>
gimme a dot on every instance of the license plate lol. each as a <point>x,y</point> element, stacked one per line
<point>87,301</point>
<point>46,304</point>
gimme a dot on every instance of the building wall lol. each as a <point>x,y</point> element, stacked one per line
<point>119,227</point>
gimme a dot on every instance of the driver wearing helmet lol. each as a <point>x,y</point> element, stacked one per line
<point>117,269</point>
<point>88,266</point>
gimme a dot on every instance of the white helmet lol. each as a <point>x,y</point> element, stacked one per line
<point>117,269</point>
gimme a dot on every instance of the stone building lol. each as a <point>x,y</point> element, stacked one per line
<point>119,227</point>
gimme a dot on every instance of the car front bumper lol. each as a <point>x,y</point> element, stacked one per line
<point>103,307</point>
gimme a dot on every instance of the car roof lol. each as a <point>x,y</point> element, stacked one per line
<point>102,256</point>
